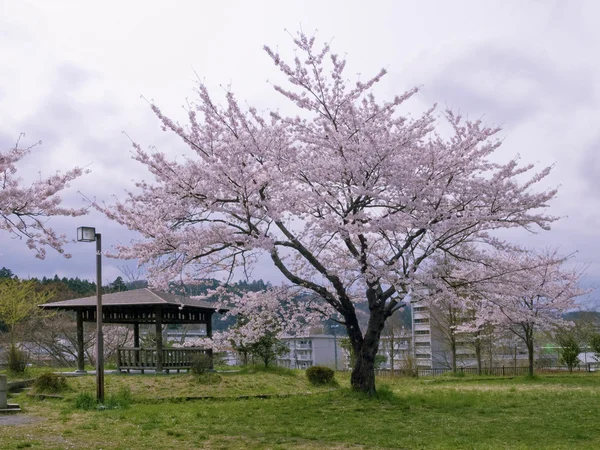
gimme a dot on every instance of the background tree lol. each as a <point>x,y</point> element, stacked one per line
<point>6,273</point>
<point>346,345</point>
<point>459,317</point>
<point>569,349</point>
<point>446,316</point>
<point>18,302</point>
<point>24,210</point>
<point>56,336</point>
<point>349,198</point>
<point>261,317</point>
<point>268,347</point>
<point>394,336</point>
<point>531,295</point>
<point>594,343</point>
<point>116,286</point>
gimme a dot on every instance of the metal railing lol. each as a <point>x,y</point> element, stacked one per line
<point>498,371</point>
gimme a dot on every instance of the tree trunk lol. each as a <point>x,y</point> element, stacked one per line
<point>453,353</point>
<point>530,355</point>
<point>363,373</point>
<point>478,355</point>
<point>365,349</point>
<point>392,350</point>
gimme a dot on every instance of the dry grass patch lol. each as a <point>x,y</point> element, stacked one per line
<point>179,386</point>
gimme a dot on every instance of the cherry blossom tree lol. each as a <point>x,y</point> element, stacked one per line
<point>456,285</point>
<point>262,316</point>
<point>515,289</point>
<point>25,209</point>
<point>349,199</point>
<point>535,299</point>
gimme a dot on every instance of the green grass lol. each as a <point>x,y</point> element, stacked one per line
<point>561,412</point>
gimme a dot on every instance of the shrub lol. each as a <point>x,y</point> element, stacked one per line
<point>85,401</point>
<point>121,399</point>
<point>50,382</point>
<point>384,392</point>
<point>17,360</point>
<point>319,375</point>
<point>201,363</point>
<point>570,350</point>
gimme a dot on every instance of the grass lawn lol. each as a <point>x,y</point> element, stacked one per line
<point>461,413</point>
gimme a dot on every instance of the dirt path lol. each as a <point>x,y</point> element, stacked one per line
<point>16,419</point>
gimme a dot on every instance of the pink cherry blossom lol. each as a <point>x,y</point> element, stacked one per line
<point>25,209</point>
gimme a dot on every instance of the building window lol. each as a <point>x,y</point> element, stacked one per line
<point>423,344</point>
<point>421,320</point>
<point>420,308</point>
<point>422,332</point>
<point>423,355</point>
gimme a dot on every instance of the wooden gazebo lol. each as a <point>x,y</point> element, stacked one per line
<point>142,306</point>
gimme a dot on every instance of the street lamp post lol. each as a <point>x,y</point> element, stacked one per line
<point>88,234</point>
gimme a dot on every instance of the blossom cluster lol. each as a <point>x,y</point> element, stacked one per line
<point>25,209</point>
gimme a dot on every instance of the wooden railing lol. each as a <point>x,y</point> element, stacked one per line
<point>138,358</point>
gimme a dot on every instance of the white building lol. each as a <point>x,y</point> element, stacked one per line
<point>397,347</point>
<point>422,346</point>
<point>313,350</point>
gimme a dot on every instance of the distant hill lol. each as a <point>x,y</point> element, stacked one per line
<point>586,316</point>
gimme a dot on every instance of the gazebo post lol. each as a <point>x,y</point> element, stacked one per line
<point>159,340</point>
<point>80,351</point>
<point>136,343</point>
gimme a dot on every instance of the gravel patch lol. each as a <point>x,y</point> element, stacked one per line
<point>17,419</point>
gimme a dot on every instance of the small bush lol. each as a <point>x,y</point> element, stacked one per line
<point>85,401</point>
<point>384,392</point>
<point>201,363</point>
<point>319,375</point>
<point>121,399</point>
<point>50,383</point>
<point>17,360</point>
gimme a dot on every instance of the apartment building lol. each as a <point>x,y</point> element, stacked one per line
<point>433,335</point>
<point>313,350</point>
<point>395,348</point>
<point>423,345</point>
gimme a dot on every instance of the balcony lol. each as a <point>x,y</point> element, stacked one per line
<point>302,346</point>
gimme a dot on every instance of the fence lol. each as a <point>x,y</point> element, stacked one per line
<point>498,371</point>
<point>146,358</point>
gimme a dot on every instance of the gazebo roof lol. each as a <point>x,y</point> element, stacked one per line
<point>136,297</point>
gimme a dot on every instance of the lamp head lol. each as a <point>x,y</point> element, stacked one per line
<point>86,234</point>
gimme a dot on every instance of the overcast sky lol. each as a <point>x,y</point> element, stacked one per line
<point>74,74</point>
